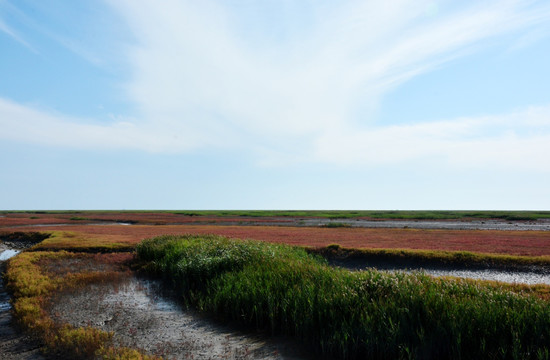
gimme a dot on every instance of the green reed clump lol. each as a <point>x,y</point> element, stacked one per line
<point>367,314</point>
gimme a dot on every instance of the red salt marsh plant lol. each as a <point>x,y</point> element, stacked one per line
<point>143,218</point>
<point>525,243</point>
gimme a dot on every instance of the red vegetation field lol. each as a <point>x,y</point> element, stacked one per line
<point>142,218</point>
<point>530,243</point>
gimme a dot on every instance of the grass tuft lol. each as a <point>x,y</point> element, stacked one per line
<point>366,314</point>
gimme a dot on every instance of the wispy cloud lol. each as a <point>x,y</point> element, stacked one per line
<point>510,141</point>
<point>198,82</point>
<point>86,29</point>
<point>24,123</point>
<point>15,35</point>
<point>189,61</point>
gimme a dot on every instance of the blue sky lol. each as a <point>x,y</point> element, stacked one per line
<point>287,104</point>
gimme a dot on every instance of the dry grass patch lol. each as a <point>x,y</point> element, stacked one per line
<point>34,277</point>
<point>76,241</point>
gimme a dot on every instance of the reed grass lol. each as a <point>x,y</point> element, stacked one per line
<point>349,315</point>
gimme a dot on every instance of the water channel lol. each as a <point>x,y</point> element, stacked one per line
<point>530,276</point>
<point>5,254</point>
<point>513,277</point>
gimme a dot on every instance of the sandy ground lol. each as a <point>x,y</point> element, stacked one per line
<point>142,317</point>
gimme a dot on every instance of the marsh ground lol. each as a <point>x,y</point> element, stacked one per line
<point>97,232</point>
<point>143,316</point>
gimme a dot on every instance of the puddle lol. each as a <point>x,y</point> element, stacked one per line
<point>141,316</point>
<point>4,297</point>
<point>6,254</point>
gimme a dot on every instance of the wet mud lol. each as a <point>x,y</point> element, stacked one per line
<point>466,224</point>
<point>530,275</point>
<point>13,343</point>
<point>142,316</point>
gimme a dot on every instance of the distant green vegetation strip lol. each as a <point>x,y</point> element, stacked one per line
<point>343,314</point>
<point>333,214</point>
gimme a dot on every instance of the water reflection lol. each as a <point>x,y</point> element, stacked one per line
<point>6,254</point>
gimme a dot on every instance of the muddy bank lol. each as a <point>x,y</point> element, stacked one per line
<point>538,225</point>
<point>13,343</point>
<point>517,274</point>
<point>142,316</point>
<point>69,220</point>
<point>20,240</point>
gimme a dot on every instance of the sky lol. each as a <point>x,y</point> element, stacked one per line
<point>275,104</point>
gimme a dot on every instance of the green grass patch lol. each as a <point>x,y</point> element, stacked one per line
<point>366,314</point>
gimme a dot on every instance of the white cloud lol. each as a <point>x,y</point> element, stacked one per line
<point>514,141</point>
<point>188,62</point>
<point>198,82</point>
<point>23,123</point>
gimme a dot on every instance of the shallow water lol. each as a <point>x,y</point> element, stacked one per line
<point>513,277</point>
<point>530,278</point>
<point>6,254</point>
<point>4,297</point>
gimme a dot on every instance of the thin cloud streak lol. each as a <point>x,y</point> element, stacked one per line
<point>312,87</point>
<point>14,35</point>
